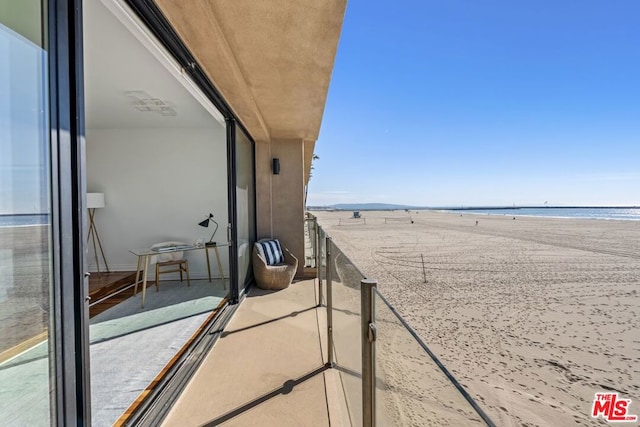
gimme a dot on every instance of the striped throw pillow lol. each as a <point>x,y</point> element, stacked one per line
<point>271,251</point>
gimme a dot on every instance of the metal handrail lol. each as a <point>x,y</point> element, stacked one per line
<point>319,260</point>
<point>329,278</point>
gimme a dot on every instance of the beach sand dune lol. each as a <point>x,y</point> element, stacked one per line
<point>532,315</point>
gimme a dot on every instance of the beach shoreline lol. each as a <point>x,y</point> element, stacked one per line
<point>532,315</point>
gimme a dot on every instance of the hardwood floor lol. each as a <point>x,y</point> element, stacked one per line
<point>108,284</point>
<point>99,287</point>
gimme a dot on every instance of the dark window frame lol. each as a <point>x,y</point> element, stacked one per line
<point>158,403</point>
<point>70,367</point>
<point>70,336</point>
<point>157,23</point>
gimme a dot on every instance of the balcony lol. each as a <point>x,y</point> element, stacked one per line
<point>328,351</point>
<point>267,368</point>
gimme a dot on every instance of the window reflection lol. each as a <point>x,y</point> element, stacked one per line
<point>245,206</point>
<point>25,257</point>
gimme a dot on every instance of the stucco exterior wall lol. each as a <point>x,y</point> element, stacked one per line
<point>263,188</point>
<point>280,198</point>
<point>272,63</point>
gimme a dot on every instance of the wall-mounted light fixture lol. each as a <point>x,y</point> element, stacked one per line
<point>276,166</point>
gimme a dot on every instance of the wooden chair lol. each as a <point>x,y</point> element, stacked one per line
<point>175,261</point>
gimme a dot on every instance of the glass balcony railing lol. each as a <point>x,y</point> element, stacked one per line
<point>345,310</point>
<point>310,242</point>
<point>412,386</point>
<point>388,374</point>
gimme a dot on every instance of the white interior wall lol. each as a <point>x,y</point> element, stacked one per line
<point>158,184</point>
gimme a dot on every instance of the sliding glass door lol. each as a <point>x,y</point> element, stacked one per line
<point>156,150</point>
<point>245,206</point>
<point>26,384</point>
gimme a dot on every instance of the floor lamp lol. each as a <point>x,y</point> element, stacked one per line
<point>95,201</point>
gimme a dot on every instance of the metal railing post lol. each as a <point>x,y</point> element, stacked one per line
<point>328,275</point>
<point>319,265</point>
<point>313,225</point>
<point>368,336</point>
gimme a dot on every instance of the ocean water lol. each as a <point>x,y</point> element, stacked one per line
<point>23,219</point>
<point>630,214</point>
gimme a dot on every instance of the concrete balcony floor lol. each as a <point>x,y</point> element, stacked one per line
<point>268,367</point>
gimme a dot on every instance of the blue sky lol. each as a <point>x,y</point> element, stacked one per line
<point>467,102</point>
<point>23,127</point>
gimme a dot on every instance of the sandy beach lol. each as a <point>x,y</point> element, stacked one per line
<point>24,283</point>
<point>532,315</point>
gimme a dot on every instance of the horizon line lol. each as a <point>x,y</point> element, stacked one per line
<point>391,206</point>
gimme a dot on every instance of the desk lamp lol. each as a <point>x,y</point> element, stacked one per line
<point>205,224</point>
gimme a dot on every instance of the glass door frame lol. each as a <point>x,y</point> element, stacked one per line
<point>155,21</point>
<point>70,305</point>
<point>237,288</point>
<point>70,366</point>
<point>232,232</point>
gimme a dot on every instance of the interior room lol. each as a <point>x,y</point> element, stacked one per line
<point>156,152</point>
<point>156,162</point>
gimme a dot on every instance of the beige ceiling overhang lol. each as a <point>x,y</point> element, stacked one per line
<point>270,59</point>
